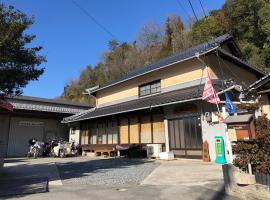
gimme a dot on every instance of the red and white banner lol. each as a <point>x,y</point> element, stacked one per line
<point>209,92</point>
<point>6,105</point>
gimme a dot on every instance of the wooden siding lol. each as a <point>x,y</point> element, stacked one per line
<point>158,129</point>
<point>134,130</point>
<point>123,131</point>
<point>130,129</point>
<point>146,131</point>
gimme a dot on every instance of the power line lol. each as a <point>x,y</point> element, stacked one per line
<point>180,4</point>
<point>193,10</point>
<point>202,8</point>
<point>93,19</point>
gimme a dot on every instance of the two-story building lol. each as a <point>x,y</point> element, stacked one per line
<point>161,103</point>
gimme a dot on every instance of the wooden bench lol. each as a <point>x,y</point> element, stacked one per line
<point>100,150</point>
<point>104,152</point>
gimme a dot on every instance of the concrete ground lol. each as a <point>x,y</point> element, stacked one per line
<point>178,179</point>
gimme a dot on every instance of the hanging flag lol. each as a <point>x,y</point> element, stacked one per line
<point>229,105</point>
<point>6,105</point>
<point>209,92</point>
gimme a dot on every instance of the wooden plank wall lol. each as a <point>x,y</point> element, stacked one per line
<point>140,129</point>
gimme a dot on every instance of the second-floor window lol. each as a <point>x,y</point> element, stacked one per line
<point>149,88</point>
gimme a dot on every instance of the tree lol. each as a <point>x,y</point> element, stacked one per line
<point>176,34</point>
<point>249,23</point>
<point>209,27</point>
<point>18,62</point>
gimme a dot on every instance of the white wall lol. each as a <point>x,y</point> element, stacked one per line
<point>209,131</point>
<point>74,136</point>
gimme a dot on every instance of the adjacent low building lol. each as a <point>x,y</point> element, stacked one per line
<point>33,118</point>
<point>160,105</point>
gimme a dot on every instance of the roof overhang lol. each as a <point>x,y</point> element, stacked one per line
<point>195,97</point>
<point>240,62</point>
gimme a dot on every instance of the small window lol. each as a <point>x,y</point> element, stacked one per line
<point>149,88</point>
<point>73,131</point>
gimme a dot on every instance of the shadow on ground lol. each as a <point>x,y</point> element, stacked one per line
<point>18,186</point>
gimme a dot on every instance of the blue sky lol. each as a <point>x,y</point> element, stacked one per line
<point>71,40</point>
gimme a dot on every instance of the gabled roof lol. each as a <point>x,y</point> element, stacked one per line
<point>227,55</point>
<point>200,49</point>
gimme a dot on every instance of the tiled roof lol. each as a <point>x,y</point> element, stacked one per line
<point>186,54</point>
<point>239,118</point>
<point>47,105</point>
<point>54,101</point>
<point>188,94</point>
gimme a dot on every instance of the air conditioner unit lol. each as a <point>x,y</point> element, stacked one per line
<point>153,150</point>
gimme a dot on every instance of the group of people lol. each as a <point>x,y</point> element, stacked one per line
<point>52,148</point>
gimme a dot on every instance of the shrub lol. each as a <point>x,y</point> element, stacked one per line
<point>256,152</point>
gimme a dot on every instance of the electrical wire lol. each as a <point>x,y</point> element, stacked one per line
<point>193,10</point>
<point>93,19</point>
<point>202,8</point>
<point>182,7</point>
<point>235,75</point>
<point>221,70</point>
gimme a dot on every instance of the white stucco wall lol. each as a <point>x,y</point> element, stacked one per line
<point>209,131</point>
<point>74,136</point>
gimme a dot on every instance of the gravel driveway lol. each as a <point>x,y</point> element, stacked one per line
<point>106,171</point>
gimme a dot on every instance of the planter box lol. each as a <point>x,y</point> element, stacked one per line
<point>244,179</point>
<point>262,178</point>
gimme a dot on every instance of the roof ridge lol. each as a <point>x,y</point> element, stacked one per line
<point>177,57</point>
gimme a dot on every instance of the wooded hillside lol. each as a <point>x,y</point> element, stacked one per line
<point>247,21</point>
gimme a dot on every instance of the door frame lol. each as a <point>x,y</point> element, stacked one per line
<point>185,149</point>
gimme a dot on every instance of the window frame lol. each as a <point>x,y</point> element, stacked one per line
<point>149,89</point>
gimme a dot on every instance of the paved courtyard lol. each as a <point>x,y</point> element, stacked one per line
<point>120,178</point>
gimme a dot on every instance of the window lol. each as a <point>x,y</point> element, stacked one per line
<point>84,137</point>
<point>149,88</point>
<point>73,130</point>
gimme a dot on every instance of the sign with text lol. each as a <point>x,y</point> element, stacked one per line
<point>29,123</point>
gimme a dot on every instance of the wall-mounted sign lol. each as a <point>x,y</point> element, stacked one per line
<point>29,123</point>
<point>232,134</point>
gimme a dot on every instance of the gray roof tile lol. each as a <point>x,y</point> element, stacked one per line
<point>141,103</point>
<point>202,48</point>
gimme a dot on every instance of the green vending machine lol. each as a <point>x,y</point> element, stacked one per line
<point>220,150</point>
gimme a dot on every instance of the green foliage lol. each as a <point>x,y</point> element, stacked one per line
<point>247,20</point>
<point>209,27</point>
<point>256,152</point>
<point>18,63</point>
